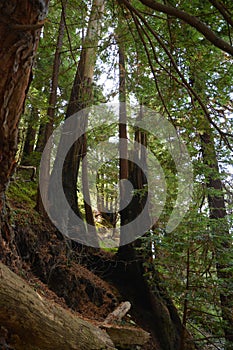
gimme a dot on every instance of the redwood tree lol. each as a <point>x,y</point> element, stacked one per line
<point>80,98</point>
<point>20,25</point>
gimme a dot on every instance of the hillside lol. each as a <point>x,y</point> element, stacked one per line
<point>76,278</point>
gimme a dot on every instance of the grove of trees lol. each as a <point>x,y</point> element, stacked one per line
<point>61,57</point>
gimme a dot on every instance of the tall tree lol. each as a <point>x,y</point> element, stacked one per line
<point>49,126</point>
<point>130,271</point>
<point>198,96</point>
<point>123,147</point>
<point>20,27</point>
<point>46,130</point>
<point>80,98</point>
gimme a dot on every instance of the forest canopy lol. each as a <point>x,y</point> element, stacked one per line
<point>116,127</point>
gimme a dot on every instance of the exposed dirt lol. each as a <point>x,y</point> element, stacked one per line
<point>54,263</point>
<point>64,273</point>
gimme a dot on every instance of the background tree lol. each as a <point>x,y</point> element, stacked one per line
<point>175,59</point>
<point>80,98</point>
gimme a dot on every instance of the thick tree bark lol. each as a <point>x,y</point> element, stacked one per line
<point>20,24</point>
<point>39,324</point>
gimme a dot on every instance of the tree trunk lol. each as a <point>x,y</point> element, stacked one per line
<point>81,97</point>
<point>123,149</point>
<point>19,31</point>
<point>39,324</point>
<point>220,231</point>
<point>30,136</point>
<point>40,139</point>
<point>54,84</point>
<point>46,130</point>
<point>151,301</point>
<point>86,191</point>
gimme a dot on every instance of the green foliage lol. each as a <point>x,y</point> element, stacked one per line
<point>174,70</point>
<point>22,190</point>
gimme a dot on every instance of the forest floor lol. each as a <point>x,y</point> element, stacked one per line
<point>74,277</point>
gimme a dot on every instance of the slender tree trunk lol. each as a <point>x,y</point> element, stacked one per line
<point>100,191</point>
<point>123,151</point>
<point>86,192</point>
<point>56,67</point>
<point>123,147</point>
<point>19,31</point>
<point>40,139</point>
<point>30,136</point>
<point>46,130</point>
<point>220,231</point>
<point>185,308</point>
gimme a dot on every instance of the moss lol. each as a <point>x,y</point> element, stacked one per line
<point>22,191</point>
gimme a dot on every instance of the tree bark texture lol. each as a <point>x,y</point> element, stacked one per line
<point>20,24</point>
<point>39,324</point>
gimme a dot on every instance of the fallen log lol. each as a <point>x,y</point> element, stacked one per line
<point>39,324</point>
<point>126,337</point>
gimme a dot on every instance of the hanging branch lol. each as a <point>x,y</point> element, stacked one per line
<point>226,15</point>
<point>185,82</point>
<point>141,30</point>
<point>138,25</point>
<point>67,32</point>
<point>223,10</point>
<point>191,20</point>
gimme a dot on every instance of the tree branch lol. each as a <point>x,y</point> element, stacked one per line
<point>183,79</point>
<point>221,8</point>
<point>191,20</point>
